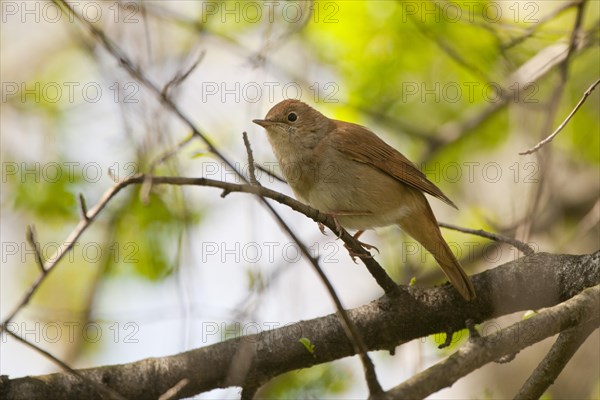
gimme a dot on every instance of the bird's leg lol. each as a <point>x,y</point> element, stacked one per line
<point>352,253</point>
<point>338,226</point>
<point>364,245</point>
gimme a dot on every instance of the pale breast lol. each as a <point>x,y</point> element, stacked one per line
<point>360,196</point>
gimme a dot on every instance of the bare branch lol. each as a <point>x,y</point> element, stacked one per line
<point>564,123</point>
<point>182,75</point>
<point>547,371</point>
<point>170,153</point>
<point>32,239</point>
<point>137,73</point>
<point>270,173</point>
<point>523,247</point>
<point>374,268</point>
<point>172,392</point>
<point>251,166</point>
<point>69,242</point>
<point>533,28</point>
<point>551,109</point>
<point>529,73</point>
<point>476,353</point>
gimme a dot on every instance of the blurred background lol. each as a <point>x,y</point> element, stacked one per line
<point>460,88</point>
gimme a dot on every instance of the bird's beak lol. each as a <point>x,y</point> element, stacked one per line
<point>263,122</point>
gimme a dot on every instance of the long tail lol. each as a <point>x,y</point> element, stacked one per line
<point>422,226</point>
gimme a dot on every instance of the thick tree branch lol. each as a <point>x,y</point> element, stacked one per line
<point>83,380</point>
<point>533,282</point>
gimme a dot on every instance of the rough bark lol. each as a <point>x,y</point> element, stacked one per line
<point>532,282</point>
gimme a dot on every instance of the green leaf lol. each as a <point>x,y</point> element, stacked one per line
<point>307,345</point>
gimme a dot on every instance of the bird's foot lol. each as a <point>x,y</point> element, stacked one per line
<point>365,246</point>
<point>321,228</point>
<point>338,227</point>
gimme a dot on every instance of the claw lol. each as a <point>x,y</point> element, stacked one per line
<point>322,228</point>
<point>354,254</point>
<point>338,227</point>
<point>366,246</point>
<point>363,244</point>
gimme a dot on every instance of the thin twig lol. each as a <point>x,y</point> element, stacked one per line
<point>83,206</point>
<point>172,392</point>
<point>251,167</point>
<point>32,239</point>
<point>170,153</point>
<point>67,245</point>
<point>523,247</point>
<point>147,186</point>
<point>103,389</point>
<point>564,123</point>
<point>382,278</point>
<point>182,75</point>
<point>522,78</point>
<point>573,40</point>
<point>270,173</point>
<point>136,73</point>
<point>448,49</point>
<point>551,113</point>
<point>533,28</point>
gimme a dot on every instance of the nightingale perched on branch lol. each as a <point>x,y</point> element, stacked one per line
<point>347,171</point>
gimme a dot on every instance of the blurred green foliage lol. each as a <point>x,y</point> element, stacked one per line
<point>46,192</point>
<point>143,237</point>
<point>421,64</point>
<point>148,233</point>
<point>317,382</point>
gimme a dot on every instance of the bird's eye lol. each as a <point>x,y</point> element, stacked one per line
<point>292,117</point>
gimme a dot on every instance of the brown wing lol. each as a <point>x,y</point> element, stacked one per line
<point>366,147</point>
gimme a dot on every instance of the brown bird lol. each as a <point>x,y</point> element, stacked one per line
<point>346,170</point>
